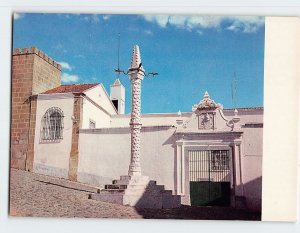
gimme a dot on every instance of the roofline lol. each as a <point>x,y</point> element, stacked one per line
<point>183,114</point>
<point>74,92</point>
<point>93,102</point>
<point>249,108</point>
<point>109,99</point>
<point>55,95</point>
<point>96,84</point>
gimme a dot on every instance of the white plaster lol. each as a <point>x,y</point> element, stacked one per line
<point>99,95</point>
<point>117,92</point>
<point>93,112</point>
<point>53,158</point>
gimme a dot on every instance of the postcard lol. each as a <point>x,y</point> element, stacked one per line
<point>142,116</point>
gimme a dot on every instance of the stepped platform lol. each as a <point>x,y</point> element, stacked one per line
<point>137,191</point>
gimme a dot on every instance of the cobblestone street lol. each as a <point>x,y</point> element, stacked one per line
<point>38,195</point>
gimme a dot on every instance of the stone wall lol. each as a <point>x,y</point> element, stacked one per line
<point>33,72</point>
<point>73,162</point>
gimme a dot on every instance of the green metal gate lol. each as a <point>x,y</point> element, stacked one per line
<point>209,175</point>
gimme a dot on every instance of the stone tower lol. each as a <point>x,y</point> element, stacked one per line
<point>117,96</point>
<point>33,72</point>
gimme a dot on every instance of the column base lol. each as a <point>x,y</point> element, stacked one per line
<point>138,191</point>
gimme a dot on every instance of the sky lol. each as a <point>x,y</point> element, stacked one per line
<point>192,54</point>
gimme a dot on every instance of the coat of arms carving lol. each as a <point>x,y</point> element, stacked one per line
<point>206,121</point>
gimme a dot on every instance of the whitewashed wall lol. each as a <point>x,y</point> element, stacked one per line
<point>53,158</point>
<point>247,115</point>
<point>90,111</point>
<point>100,96</point>
<point>104,154</point>
<point>156,119</point>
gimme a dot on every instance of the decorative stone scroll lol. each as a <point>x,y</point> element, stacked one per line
<point>206,104</point>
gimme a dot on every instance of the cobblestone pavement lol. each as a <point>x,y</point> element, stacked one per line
<point>32,195</point>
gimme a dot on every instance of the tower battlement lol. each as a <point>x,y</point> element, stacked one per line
<point>41,54</point>
<point>33,72</point>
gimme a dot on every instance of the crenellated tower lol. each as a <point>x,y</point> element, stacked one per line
<point>33,72</point>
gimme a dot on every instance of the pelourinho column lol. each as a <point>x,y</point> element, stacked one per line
<point>136,74</point>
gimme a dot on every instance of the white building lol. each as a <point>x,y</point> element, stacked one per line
<point>209,156</point>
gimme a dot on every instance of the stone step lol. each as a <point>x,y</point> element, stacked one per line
<point>112,191</point>
<point>138,191</point>
<point>128,182</point>
<point>145,201</point>
<point>115,186</point>
<point>152,187</point>
<point>171,201</point>
<point>135,179</point>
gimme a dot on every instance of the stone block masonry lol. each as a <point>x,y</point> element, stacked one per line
<point>73,162</point>
<point>33,72</point>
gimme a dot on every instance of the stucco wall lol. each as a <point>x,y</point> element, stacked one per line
<point>99,95</point>
<point>93,112</point>
<point>53,158</point>
<point>104,154</point>
<point>247,115</point>
<point>252,180</point>
<point>158,119</point>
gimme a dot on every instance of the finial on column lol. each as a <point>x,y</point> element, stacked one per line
<point>136,61</point>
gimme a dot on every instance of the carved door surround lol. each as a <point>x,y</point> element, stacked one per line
<point>230,141</point>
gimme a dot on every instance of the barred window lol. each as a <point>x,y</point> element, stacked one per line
<point>219,160</point>
<point>52,125</point>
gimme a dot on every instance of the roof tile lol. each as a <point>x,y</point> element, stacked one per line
<point>73,88</point>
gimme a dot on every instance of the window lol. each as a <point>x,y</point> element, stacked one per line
<point>52,125</point>
<point>92,124</point>
<point>115,102</point>
<point>219,160</point>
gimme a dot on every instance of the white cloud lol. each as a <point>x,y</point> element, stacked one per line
<point>161,20</point>
<point>69,78</point>
<point>18,16</point>
<point>148,32</point>
<point>245,24</point>
<point>94,18</point>
<point>199,32</point>
<point>65,65</point>
<point>59,47</point>
<point>106,17</point>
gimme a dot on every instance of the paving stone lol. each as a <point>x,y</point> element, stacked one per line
<point>30,196</point>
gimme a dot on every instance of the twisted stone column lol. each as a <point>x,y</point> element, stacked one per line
<point>136,74</point>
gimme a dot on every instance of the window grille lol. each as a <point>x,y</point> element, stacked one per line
<point>52,125</point>
<point>220,160</point>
